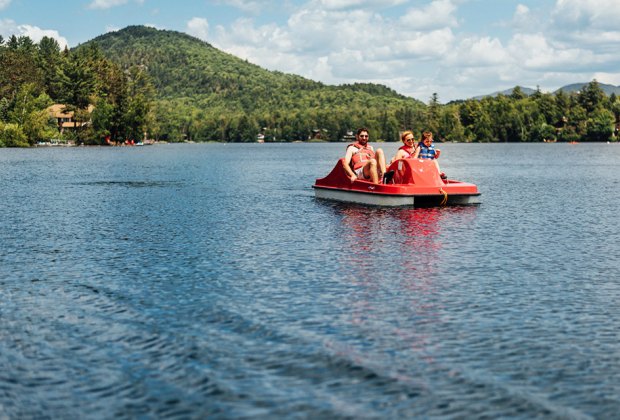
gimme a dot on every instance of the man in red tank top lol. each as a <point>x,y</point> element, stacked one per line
<point>362,161</point>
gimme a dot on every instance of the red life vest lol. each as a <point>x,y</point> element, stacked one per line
<point>409,150</point>
<point>363,155</point>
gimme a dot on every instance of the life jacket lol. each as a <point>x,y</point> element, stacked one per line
<point>363,155</point>
<point>408,149</point>
<point>427,152</point>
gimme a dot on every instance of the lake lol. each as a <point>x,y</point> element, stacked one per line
<point>205,280</point>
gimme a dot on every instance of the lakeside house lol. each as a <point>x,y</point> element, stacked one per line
<point>348,137</point>
<point>66,119</point>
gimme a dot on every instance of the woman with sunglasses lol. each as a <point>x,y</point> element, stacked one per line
<point>409,149</point>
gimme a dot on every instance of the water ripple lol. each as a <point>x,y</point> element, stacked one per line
<point>186,292</point>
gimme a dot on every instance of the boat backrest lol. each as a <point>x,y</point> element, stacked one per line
<point>416,171</point>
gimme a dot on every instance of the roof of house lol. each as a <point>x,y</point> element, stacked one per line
<point>58,111</point>
<point>65,118</point>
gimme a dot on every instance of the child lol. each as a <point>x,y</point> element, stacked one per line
<point>428,151</point>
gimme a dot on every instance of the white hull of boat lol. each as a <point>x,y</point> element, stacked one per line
<point>390,200</point>
<point>362,198</point>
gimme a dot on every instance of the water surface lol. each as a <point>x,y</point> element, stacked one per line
<point>206,280</point>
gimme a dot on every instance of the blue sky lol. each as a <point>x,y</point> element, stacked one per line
<point>455,48</point>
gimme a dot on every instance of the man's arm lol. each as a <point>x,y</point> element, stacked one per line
<point>347,163</point>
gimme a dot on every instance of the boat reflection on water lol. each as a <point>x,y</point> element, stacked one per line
<point>391,259</point>
<point>399,244</point>
<point>400,231</point>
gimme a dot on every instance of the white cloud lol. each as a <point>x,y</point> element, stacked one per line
<point>341,46</point>
<point>522,11</point>
<point>112,28</point>
<point>437,14</point>
<point>524,20</point>
<point>4,3</point>
<point>588,23</point>
<point>8,27</point>
<point>533,51</point>
<point>198,27</point>
<point>478,52</point>
<point>248,6</point>
<point>357,4</point>
<point>106,4</point>
<point>593,14</point>
<point>423,49</point>
<point>244,36</point>
<point>328,31</point>
<point>608,78</point>
<point>423,45</point>
<point>36,34</point>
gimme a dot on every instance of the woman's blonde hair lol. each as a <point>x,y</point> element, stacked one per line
<point>405,134</point>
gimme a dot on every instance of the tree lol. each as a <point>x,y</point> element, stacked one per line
<point>542,132</point>
<point>29,113</point>
<point>389,128</point>
<point>78,82</point>
<point>77,86</point>
<point>517,94</point>
<point>405,117</point>
<point>450,128</point>
<point>102,120</point>
<point>592,96</point>
<point>563,104</point>
<point>12,135</point>
<point>600,126</point>
<point>138,99</point>
<point>4,110</point>
<point>501,111</point>
<point>247,128</point>
<point>476,121</point>
<point>433,114</point>
<point>547,107</point>
<point>576,119</point>
<point>615,107</point>
<point>18,66</point>
<point>49,60</point>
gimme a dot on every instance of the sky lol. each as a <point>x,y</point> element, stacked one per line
<point>457,49</point>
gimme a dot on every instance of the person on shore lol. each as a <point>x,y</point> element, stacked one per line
<point>409,149</point>
<point>427,150</point>
<point>362,161</point>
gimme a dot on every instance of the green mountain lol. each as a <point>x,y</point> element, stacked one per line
<point>572,88</point>
<point>207,92</point>
<point>527,91</point>
<point>578,87</point>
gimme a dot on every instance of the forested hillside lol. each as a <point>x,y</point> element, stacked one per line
<point>164,85</point>
<point>203,93</point>
<point>35,76</point>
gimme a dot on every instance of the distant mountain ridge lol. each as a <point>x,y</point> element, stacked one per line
<point>576,87</point>
<point>572,88</point>
<point>182,65</point>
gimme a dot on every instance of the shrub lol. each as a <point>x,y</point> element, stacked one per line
<point>12,135</point>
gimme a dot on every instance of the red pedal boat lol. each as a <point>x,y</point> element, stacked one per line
<point>415,182</point>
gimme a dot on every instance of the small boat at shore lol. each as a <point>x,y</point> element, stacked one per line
<point>414,182</point>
